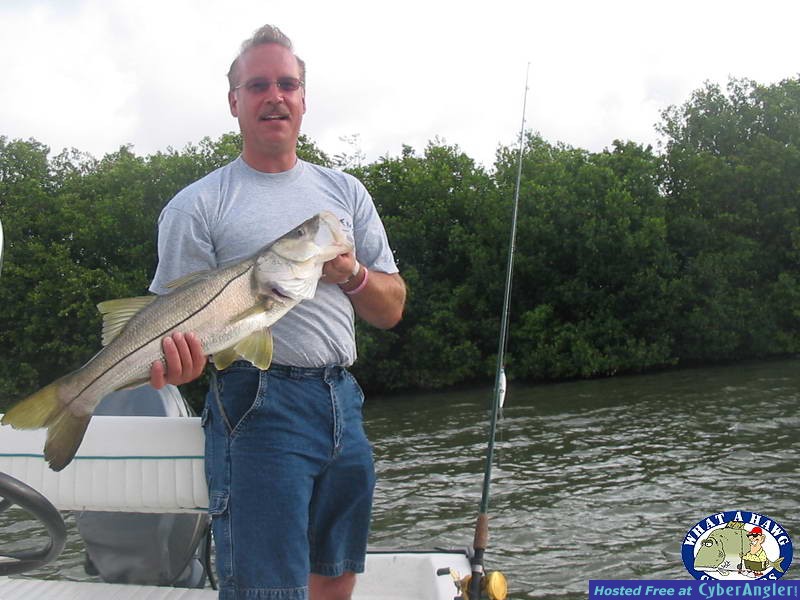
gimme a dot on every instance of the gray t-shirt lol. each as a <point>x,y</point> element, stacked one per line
<point>235,211</point>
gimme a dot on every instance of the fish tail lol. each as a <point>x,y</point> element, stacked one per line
<point>36,411</point>
<point>777,564</point>
<point>65,431</point>
<point>64,436</point>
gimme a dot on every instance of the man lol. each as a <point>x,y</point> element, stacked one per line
<point>755,560</point>
<point>289,468</point>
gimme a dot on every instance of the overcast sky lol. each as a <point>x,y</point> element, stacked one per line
<point>98,74</point>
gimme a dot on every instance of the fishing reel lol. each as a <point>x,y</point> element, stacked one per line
<point>493,585</point>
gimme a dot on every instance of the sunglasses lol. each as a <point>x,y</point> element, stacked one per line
<point>260,86</point>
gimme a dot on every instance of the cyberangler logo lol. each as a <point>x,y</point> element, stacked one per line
<point>737,545</point>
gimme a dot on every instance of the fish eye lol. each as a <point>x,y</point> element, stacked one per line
<point>300,232</point>
<point>708,543</point>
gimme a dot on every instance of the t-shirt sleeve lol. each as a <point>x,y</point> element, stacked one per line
<point>185,246</point>
<point>371,241</point>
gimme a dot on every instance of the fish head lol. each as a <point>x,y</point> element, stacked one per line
<point>721,546</point>
<point>291,266</point>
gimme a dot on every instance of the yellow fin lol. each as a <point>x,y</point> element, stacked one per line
<point>117,313</point>
<point>64,430</point>
<point>64,436</point>
<point>36,411</point>
<point>224,358</point>
<point>257,348</point>
<point>253,310</point>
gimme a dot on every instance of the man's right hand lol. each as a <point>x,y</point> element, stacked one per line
<point>185,361</point>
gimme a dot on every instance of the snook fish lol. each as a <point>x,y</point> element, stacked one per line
<point>229,309</point>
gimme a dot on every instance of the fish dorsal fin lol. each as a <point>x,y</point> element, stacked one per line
<point>117,313</point>
<point>190,278</point>
<point>256,348</point>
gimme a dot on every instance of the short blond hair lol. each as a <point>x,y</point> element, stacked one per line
<point>267,34</point>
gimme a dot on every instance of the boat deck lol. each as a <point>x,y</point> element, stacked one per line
<point>390,575</point>
<point>36,589</point>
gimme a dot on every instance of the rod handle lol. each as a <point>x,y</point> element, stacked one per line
<point>481,532</point>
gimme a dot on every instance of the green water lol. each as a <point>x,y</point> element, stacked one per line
<point>593,480</point>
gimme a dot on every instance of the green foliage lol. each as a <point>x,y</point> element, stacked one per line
<point>732,182</point>
<point>625,260</point>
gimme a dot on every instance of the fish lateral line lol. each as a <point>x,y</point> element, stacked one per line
<point>157,337</point>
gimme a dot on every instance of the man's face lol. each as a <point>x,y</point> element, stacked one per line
<point>269,117</point>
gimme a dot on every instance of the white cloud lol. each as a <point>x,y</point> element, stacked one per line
<point>97,74</point>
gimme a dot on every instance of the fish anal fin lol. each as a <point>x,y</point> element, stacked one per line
<point>134,384</point>
<point>117,313</point>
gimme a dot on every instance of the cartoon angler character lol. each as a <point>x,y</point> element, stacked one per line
<point>725,550</point>
<point>755,559</point>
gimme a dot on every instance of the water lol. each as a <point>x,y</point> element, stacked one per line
<point>593,480</point>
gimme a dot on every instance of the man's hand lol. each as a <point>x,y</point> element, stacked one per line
<point>339,269</point>
<point>185,361</point>
<point>379,302</point>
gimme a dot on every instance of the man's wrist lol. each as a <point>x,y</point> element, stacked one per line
<point>356,281</point>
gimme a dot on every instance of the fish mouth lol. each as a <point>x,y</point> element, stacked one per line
<point>335,238</point>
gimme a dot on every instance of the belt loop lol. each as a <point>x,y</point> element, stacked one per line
<point>332,372</point>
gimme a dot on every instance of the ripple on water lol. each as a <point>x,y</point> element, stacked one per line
<point>591,479</point>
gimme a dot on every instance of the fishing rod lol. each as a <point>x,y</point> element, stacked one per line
<point>495,583</point>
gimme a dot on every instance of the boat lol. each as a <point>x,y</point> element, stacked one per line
<point>154,465</point>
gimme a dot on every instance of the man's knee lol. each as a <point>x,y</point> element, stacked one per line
<point>331,588</point>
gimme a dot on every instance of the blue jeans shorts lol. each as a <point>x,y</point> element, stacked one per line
<point>290,478</point>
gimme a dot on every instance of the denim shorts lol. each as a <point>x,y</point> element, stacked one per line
<point>290,478</point>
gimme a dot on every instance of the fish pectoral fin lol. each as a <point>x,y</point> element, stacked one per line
<point>117,313</point>
<point>257,348</point>
<point>253,310</point>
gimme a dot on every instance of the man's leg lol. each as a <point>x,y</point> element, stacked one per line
<point>331,588</point>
